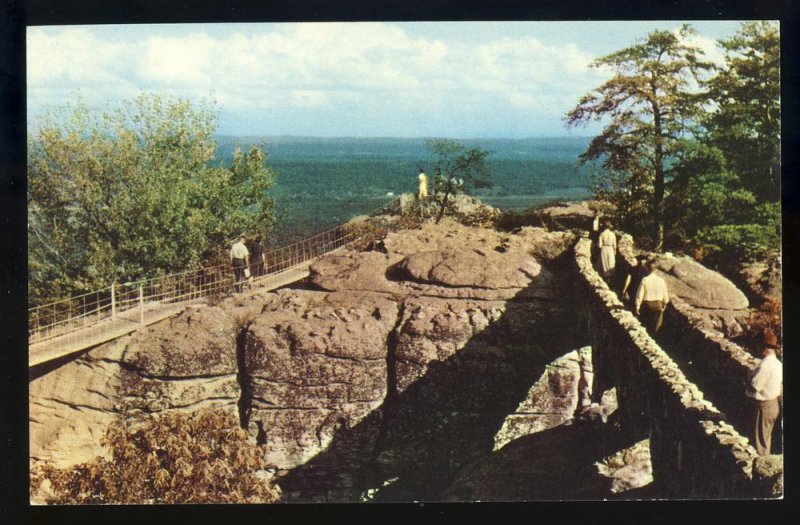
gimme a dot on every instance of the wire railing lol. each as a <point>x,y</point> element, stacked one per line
<point>134,301</point>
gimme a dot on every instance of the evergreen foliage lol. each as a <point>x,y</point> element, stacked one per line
<point>653,106</point>
<point>691,150</point>
<point>132,194</point>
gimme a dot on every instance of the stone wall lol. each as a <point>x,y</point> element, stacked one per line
<point>695,452</point>
<point>719,366</point>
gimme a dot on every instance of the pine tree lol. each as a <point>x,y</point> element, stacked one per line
<point>651,106</point>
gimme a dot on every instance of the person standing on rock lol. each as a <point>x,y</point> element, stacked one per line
<point>423,185</point>
<point>652,298</point>
<point>240,259</point>
<point>608,250</point>
<point>766,384</point>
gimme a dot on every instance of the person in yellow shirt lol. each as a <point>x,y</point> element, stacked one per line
<point>652,298</point>
<point>423,185</point>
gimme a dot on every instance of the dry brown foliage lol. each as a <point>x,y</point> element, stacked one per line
<point>203,457</point>
<point>768,317</point>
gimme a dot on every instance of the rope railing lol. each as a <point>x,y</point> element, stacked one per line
<point>83,311</point>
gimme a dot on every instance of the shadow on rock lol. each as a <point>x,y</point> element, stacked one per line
<point>554,464</point>
<point>414,446</point>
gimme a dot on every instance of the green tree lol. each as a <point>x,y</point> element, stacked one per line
<point>456,167</point>
<point>652,105</point>
<point>724,196</point>
<point>132,193</point>
<point>746,125</point>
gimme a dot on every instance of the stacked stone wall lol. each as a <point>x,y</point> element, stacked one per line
<point>723,366</point>
<point>695,452</point>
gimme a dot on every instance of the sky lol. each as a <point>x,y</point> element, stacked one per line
<point>387,79</point>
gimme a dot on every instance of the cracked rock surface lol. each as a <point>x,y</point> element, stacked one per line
<point>368,373</point>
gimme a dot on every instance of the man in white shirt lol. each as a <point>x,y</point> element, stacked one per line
<point>652,298</point>
<point>766,384</point>
<point>240,259</point>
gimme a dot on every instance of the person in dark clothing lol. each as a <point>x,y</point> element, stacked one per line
<point>257,257</point>
<point>632,280</point>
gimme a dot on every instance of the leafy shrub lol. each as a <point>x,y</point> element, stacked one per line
<point>204,457</point>
<point>768,317</point>
<point>739,241</point>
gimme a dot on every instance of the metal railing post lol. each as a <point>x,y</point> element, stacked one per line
<point>113,302</point>
<point>141,305</point>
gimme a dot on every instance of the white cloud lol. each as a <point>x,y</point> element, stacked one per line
<point>71,54</point>
<point>709,46</point>
<point>184,61</point>
<point>351,70</point>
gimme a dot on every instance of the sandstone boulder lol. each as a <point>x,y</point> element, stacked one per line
<point>71,407</point>
<point>546,246</point>
<point>434,330</point>
<point>474,268</point>
<point>568,215</point>
<point>365,271</point>
<point>315,362</point>
<point>199,341</point>
<point>185,362</point>
<point>763,278</point>
<point>699,286</point>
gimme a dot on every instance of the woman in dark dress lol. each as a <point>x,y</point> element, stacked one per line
<point>633,279</point>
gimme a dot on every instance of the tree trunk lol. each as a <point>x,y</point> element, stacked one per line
<point>658,183</point>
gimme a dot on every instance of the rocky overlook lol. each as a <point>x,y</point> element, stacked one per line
<point>440,366</point>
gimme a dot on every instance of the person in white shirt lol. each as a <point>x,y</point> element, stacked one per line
<point>423,185</point>
<point>652,298</point>
<point>608,250</point>
<point>240,259</point>
<point>766,384</point>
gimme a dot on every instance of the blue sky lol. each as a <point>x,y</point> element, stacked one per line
<point>461,80</point>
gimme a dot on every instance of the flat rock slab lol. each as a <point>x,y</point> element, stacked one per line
<point>699,286</point>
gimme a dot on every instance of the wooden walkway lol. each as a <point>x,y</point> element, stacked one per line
<point>135,318</point>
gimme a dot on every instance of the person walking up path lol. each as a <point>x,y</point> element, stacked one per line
<point>608,250</point>
<point>240,259</point>
<point>766,384</point>
<point>652,298</point>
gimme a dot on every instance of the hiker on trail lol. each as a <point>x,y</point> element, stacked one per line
<point>423,185</point>
<point>652,298</point>
<point>595,233</point>
<point>608,250</point>
<point>240,259</point>
<point>257,258</point>
<point>632,280</point>
<point>765,389</point>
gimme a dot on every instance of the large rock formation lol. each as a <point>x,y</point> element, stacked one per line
<point>432,368</point>
<point>699,286</point>
<point>315,362</point>
<point>365,375</point>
